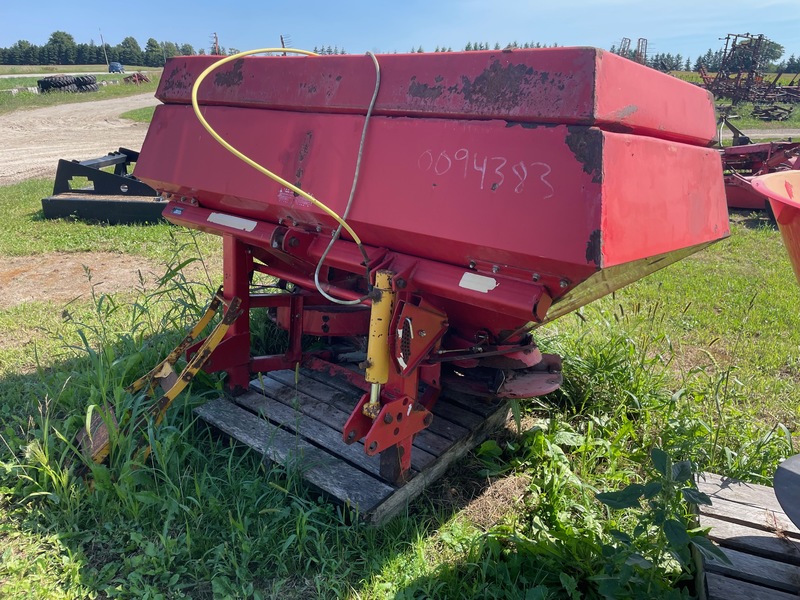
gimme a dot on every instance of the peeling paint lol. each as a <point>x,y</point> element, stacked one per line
<point>423,90</point>
<point>586,144</point>
<point>231,78</point>
<point>499,85</point>
<point>178,79</point>
<point>626,112</point>
<point>305,148</point>
<point>594,248</point>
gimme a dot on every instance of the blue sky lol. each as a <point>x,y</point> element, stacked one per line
<point>677,26</point>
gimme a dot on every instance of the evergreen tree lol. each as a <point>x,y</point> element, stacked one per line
<point>153,54</point>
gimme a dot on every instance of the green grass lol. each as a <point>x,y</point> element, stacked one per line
<point>143,115</point>
<point>697,365</point>
<point>55,69</point>
<point>8,83</point>
<point>25,100</point>
<point>28,232</point>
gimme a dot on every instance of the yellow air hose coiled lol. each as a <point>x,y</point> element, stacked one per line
<point>246,158</point>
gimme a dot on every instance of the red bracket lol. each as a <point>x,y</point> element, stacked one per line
<point>398,419</point>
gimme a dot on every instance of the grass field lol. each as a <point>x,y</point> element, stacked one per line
<point>693,368</point>
<point>698,363</point>
<point>24,99</point>
<point>55,69</point>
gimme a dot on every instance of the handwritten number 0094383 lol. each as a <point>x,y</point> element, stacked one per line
<point>489,168</point>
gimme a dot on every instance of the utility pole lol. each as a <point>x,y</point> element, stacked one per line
<point>102,43</point>
<point>216,43</point>
<point>285,41</point>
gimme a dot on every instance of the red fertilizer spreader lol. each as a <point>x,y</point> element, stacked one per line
<point>491,192</point>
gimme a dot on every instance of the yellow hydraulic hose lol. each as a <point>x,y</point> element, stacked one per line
<point>247,159</point>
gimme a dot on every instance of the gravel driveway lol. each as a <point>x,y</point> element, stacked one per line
<point>32,141</point>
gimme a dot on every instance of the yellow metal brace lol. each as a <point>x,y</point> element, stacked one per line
<point>95,443</point>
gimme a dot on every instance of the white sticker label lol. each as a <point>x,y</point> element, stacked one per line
<point>478,283</point>
<point>231,221</point>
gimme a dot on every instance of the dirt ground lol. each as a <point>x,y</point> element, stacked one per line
<point>31,142</point>
<point>62,278</point>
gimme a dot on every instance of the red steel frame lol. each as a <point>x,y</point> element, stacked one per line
<point>524,180</point>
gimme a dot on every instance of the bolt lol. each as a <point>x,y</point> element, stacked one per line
<point>351,435</point>
<point>563,283</point>
<point>472,264</point>
<point>536,277</point>
<point>372,446</point>
<point>495,269</point>
<point>319,228</point>
<point>294,242</point>
<point>400,283</point>
<point>422,333</point>
<point>387,418</point>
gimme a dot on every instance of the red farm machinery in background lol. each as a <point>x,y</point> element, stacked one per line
<point>478,195</point>
<point>744,161</point>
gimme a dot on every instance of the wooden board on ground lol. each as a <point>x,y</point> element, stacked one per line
<point>298,421</point>
<point>762,544</point>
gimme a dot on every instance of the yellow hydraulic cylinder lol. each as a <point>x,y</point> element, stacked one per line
<point>378,353</point>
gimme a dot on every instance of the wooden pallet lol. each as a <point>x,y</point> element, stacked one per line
<point>299,422</point>
<point>761,542</point>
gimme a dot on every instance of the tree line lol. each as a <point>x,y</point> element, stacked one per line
<point>61,49</point>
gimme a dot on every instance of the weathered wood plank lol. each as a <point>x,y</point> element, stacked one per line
<point>456,414</point>
<point>441,425</point>
<point>319,468</point>
<point>428,440</point>
<point>311,429</point>
<point>480,406</point>
<point>750,515</point>
<point>321,391</point>
<point>337,382</point>
<point>757,570</point>
<point>725,588</point>
<point>326,413</point>
<point>393,504</point>
<point>754,541</point>
<point>726,488</point>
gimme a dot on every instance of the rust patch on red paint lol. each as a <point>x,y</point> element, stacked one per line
<point>423,90</point>
<point>499,85</point>
<point>178,79</point>
<point>586,144</point>
<point>305,148</point>
<point>230,78</point>
<point>594,248</point>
